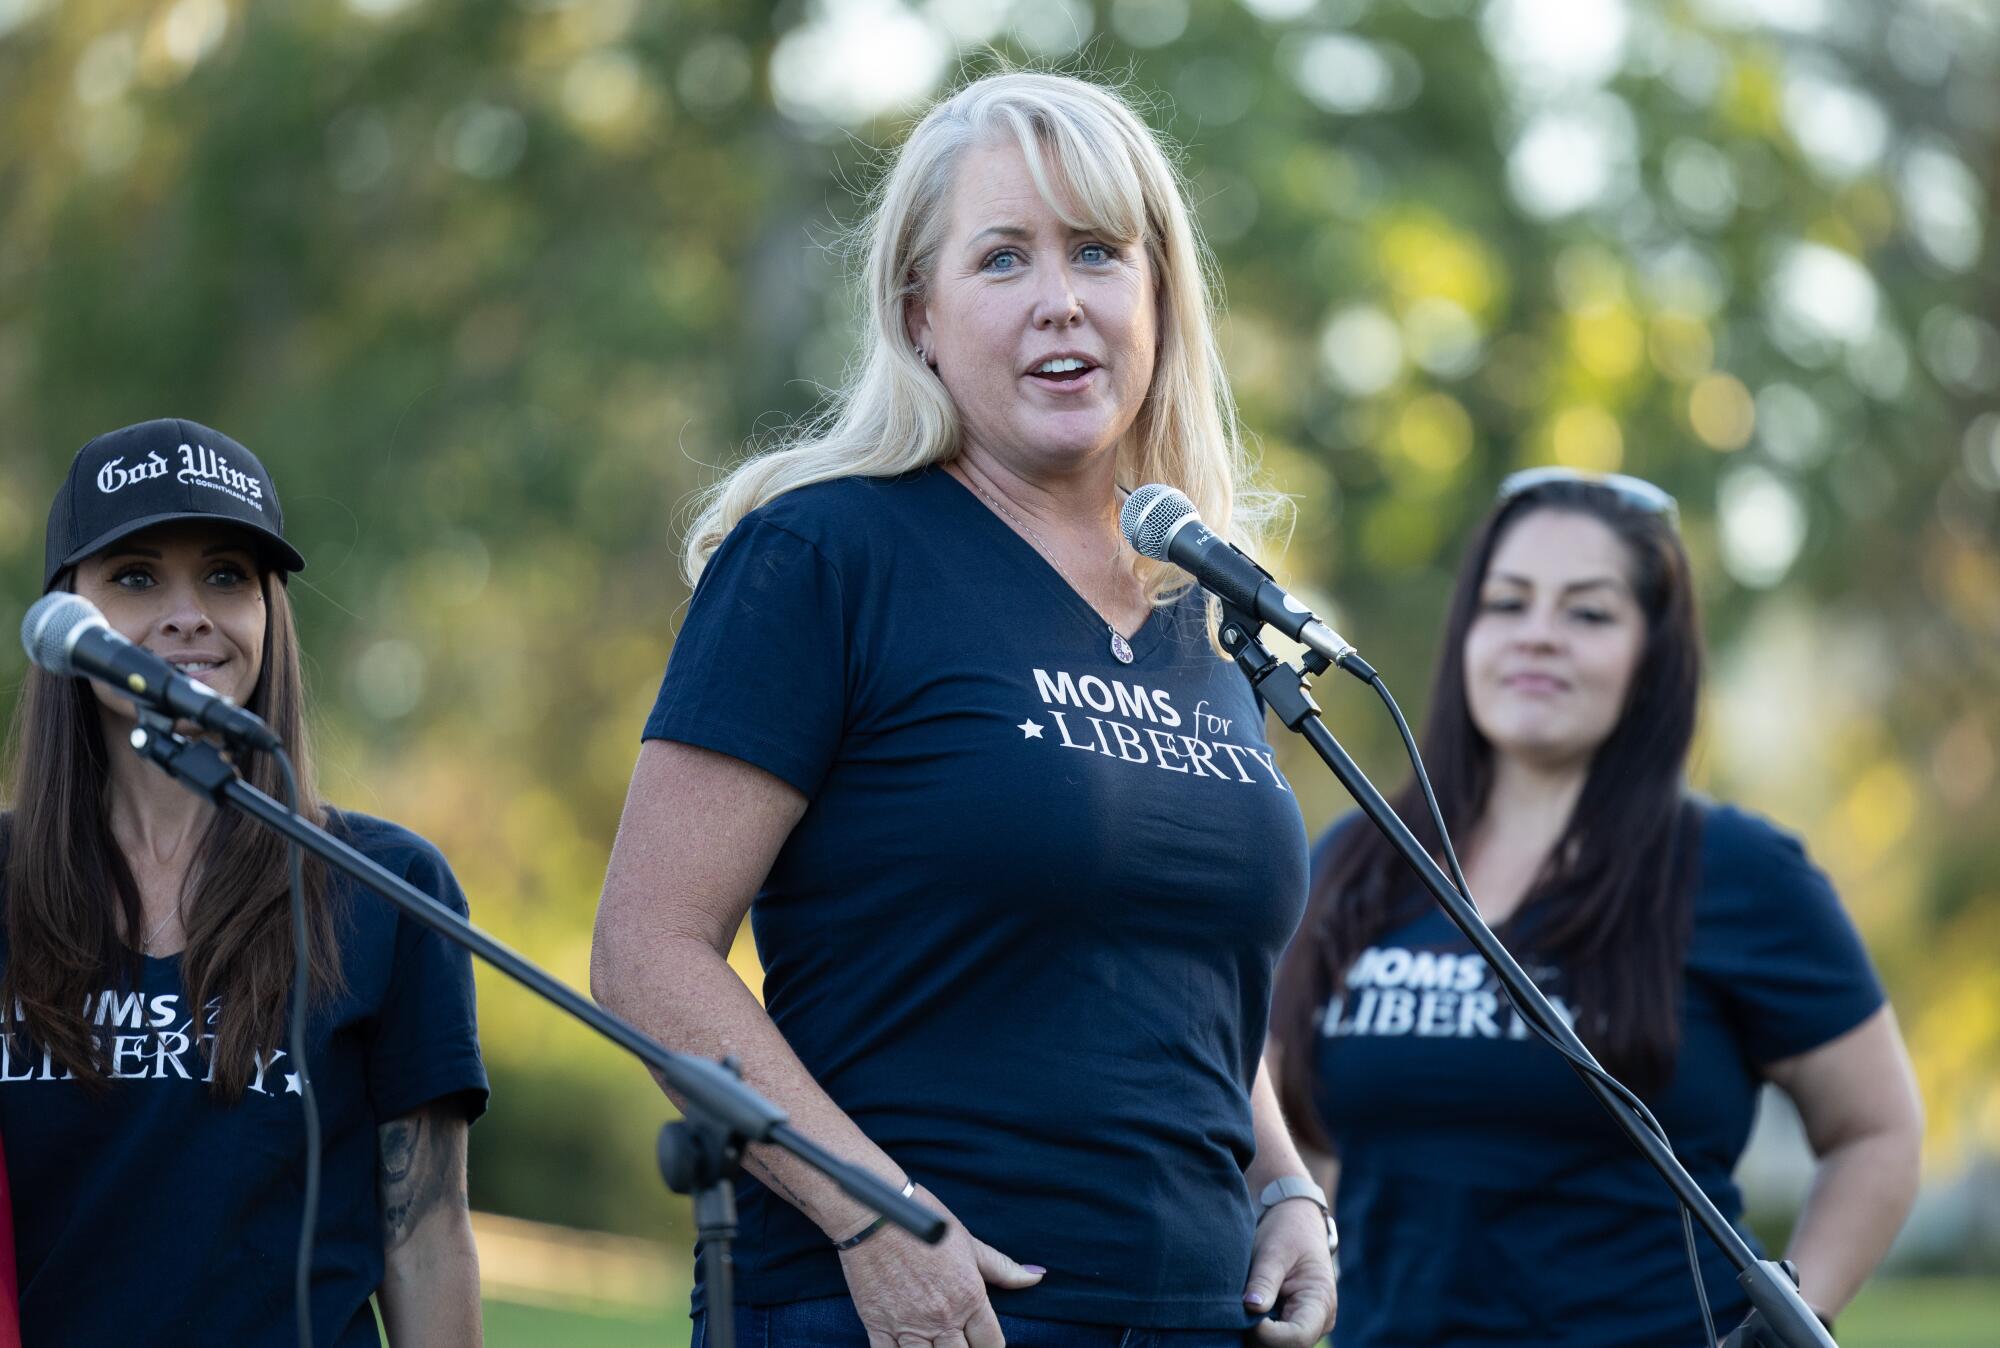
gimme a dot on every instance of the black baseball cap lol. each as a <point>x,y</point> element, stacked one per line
<point>138,476</point>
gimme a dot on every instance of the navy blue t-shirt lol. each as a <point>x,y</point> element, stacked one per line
<point>1025,932</point>
<point>1486,1197</point>
<point>153,1213</point>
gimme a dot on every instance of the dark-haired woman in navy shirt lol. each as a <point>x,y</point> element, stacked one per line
<point>153,1112</point>
<point>1484,1197</point>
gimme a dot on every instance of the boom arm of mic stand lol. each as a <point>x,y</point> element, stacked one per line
<point>711,1090</point>
<point>1789,1322</point>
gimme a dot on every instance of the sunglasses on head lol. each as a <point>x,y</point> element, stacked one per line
<point>1633,491</point>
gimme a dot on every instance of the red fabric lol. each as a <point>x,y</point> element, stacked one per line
<point>10,1288</point>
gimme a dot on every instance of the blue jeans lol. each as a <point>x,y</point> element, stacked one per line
<point>832,1323</point>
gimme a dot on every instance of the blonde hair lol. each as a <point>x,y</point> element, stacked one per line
<point>1099,168</point>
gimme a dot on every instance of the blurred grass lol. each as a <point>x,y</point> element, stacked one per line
<point>512,1326</point>
<point>1923,1313</point>
<point>1891,1313</point>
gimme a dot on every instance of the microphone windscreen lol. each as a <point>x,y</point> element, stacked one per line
<point>52,625</point>
<point>1149,517</point>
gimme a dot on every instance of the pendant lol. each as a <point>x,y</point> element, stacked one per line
<point>1121,649</point>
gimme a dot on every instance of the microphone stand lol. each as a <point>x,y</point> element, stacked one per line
<point>1786,1320</point>
<point>700,1155</point>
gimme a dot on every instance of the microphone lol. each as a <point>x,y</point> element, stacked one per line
<point>66,635</point>
<point>1160,522</point>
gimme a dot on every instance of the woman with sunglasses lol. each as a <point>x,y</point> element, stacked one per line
<point>152,1109</point>
<point>1483,1195</point>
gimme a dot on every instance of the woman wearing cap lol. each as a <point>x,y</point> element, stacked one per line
<point>151,1108</point>
<point>1020,857</point>
<point>1483,1194</point>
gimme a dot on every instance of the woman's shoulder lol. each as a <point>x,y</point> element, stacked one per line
<point>400,851</point>
<point>1770,928</point>
<point>383,841</point>
<point>1735,840</point>
<point>844,512</point>
<point>1753,868</point>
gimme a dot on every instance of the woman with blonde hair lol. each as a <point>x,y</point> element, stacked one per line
<point>1016,854</point>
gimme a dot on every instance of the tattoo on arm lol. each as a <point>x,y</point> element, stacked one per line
<point>755,1165</point>
<point>422,1168</point>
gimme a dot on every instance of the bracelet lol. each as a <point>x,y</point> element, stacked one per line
<point>1299,1186</point>
<point>842,1246</point>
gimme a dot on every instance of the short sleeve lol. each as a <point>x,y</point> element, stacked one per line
<point>426,1041</point>
<point>758,671</point>
<point>1773,936</point>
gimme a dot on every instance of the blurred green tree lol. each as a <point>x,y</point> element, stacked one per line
<point>494,287</point>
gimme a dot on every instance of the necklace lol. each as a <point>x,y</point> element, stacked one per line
<point>159,927</point>
<point>1121,649</point>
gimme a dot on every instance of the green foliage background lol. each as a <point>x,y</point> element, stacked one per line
<point>495,286</point>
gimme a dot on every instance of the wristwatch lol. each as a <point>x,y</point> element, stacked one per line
<point>1298,1186</point>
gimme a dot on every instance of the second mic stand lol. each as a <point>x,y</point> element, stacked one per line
<point>1787,1321</point>
<point>700,1155</point>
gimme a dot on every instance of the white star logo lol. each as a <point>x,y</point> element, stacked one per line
<point>1030,730</point>
<point>292,1084</point>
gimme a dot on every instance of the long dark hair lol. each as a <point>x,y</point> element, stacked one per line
<point>1613,903</point>
<point>65,873</point>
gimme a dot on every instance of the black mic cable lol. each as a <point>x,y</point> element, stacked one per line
<point>301,990</point>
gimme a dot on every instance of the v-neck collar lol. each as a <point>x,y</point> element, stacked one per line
<point>1143,642</point>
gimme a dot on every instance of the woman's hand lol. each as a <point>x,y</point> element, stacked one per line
<point>1291,1274</point>
<point>913,1295</point>
<point>1291,1271</point>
